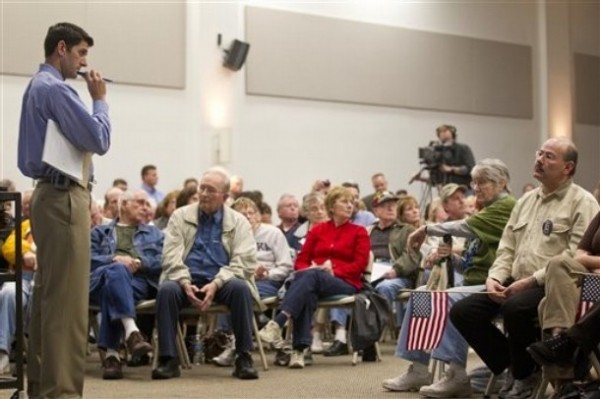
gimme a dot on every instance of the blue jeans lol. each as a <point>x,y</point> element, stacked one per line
<point>390,288</point>
<point>452,348</point>
<point>116,291</point>
<point>8,309</point>
<point>300,300</point>
<point>266,289</point>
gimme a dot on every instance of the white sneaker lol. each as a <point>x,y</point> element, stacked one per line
<point>316,346</point>
<point>297,360</point>
<point>4,363</point>
<point>525,388</point>
<point>226,358</point>
<point>450,386</point>
<point>271,334</point>
<point>411,380</point>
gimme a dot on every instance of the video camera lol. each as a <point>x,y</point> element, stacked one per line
<point>432,156</point>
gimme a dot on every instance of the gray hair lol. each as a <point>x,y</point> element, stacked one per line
<point>222,173</point>
<point>309,198</point>
<point>129,195</point>
<point>283,198</point>
<point>493,170</point>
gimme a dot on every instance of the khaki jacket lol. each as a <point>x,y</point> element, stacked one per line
<point>237,238</point>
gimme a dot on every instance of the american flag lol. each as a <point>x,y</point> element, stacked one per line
<point>590,293</point>
<point>428,319</point>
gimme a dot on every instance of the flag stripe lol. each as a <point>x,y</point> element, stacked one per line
<point>428,320</point>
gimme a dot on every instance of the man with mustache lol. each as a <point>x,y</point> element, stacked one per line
<point>545,222</point>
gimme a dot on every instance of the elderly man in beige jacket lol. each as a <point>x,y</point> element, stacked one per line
<point>209,255</point>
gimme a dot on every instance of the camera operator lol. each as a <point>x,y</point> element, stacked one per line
<point>457,160</point>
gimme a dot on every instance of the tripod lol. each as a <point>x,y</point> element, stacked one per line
<point>426,190</point>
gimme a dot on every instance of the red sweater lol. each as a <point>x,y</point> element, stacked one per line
<point>346,246</point>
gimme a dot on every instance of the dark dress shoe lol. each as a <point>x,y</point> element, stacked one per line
<point>244,368</point>
<point>166,369</point>
<point>137,345</point>
<point>112,369</point>
<point>338,348</point>
<point>559,349</point>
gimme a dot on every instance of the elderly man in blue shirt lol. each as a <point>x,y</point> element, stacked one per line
<point>60,215</point>
<point>125,270</point>
<point>209,255</point>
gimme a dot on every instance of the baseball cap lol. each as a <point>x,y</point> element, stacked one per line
<point>449,189</point>
<point>383,196</point>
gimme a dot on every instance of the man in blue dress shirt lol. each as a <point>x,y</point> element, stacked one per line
<point>60,216</point>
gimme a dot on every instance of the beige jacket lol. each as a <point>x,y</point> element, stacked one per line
<point>238,241</point>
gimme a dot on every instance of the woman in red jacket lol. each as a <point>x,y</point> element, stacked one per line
<point>331,262</point>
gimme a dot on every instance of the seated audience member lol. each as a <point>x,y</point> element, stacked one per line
<point>483,230</point>
<point>321,186</point>
<point>187,196</point>
<point>273,267</point>
<point>288,212</point>
<point>209,255</point>
<point>236,186</point>
<point>379,183</point>
<point>470,205</point>
<point>125,269</point>
<point>313,207</point>
<point>452,197</point>
<point>111,204</point>
<point>388,245</point>
<point>150,210</point>
<point>558,310</point>
<point>8,304</point>
<point>96,217</point>
<point>332,262</point>
<point>165,209</point>
<point>266,213</point>
<point>190,182</point>
<point>545,222</point>
<point>361,217</point>
<point>339,317</point>
<point>120,183</point>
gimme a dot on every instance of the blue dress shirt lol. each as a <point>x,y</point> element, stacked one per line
<point>48,97</point>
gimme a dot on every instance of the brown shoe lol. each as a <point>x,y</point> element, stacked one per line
<point>137,345</point>
<point>112,369</point>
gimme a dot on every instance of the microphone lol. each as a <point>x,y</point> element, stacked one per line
<point>107,80</point>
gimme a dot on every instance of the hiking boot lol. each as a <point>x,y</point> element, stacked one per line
<point>450,386</point>
<point>410,380</point>
<point>137,345</point>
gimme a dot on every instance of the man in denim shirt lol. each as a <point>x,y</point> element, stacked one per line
<point>209,255</point>
<point>125,269</point>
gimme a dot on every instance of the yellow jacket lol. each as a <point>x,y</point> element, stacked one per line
<point>9,247</point>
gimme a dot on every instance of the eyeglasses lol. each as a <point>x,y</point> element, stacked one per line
<point>209,190</point>
<point>480,183</point>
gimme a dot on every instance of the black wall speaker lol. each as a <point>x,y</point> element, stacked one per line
<point>236,55</point>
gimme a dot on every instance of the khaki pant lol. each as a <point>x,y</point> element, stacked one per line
<point>559,307</point>
<point>60,221</point>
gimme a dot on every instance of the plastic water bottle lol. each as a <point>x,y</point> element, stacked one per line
<point>198,348</point>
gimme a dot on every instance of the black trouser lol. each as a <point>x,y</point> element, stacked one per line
<point>586,332</point>
<point>473,317</point>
